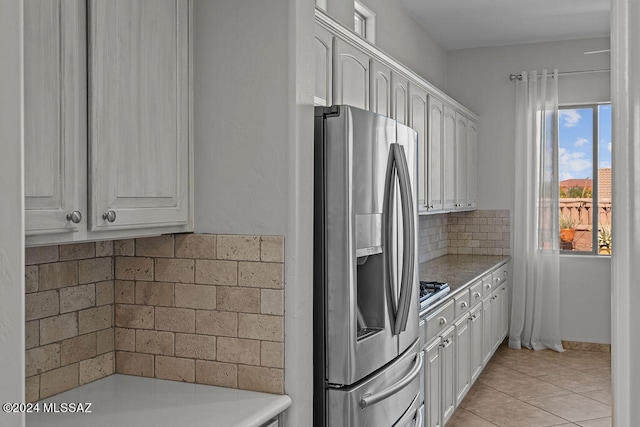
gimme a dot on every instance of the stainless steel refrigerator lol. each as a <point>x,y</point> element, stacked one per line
<point>367,360</point>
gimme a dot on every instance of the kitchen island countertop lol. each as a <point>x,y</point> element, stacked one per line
<point>122,400</point>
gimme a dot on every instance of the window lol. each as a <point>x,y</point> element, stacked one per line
<point>584,166</point>
<point>364,22</point>
<point>359,24</point>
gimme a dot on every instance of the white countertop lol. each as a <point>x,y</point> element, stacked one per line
<point>122,401</point>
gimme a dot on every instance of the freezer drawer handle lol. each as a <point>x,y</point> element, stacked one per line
<point>373,398</point>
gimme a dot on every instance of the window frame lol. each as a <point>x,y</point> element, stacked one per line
<point>595,180</point>
<point>369,16</point>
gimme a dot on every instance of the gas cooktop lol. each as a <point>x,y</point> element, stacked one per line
<point>431,292</point>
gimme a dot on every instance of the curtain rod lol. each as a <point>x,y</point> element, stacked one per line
<point>514,77</point>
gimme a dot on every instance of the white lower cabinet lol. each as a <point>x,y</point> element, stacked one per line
<point>475,333</point>
<point>463,357</point>
<point>432,384</point>
<point>455,354</point>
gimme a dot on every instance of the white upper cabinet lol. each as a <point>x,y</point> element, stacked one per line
<point>139,113</point>
<point>108,148</point>
<point>461,161</point>
<point>418,120</point>
<point>351,71</point>
<point>323,51</point>
<point>351,78</point>
<point>55,116</point>
<point>380,99</point>
<point>399,98</point>
<point>449,158</point>
<point>434,155</point>
<point>472,164</point>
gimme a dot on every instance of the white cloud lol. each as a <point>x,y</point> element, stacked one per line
<point>609,147</point>
<point>605,164</point>
<point>570,118</point>
<point>572,163</point>
<point>581,141</point>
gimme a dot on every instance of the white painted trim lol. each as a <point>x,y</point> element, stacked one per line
<point>322,4</point>
<point>374,52</point>
<point>370,20</point>
<point>625,96</point>
<point>11,210</point>
<point>298,321</point>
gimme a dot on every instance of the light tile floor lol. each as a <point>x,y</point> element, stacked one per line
<point>525,388</point>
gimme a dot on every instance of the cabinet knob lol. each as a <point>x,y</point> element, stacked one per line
<point>109,216</point>
<point>497,279</point>
<point>476,294</point>
<point>463,304</point>
<point>469,205</point>
<point>506,273</point>
<point>442,321</point>
<point>488,286</point>
<point>75,217</point>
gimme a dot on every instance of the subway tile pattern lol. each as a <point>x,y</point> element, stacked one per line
<point>480,232</point>
<point>69,317</point>
<point>207,309</point>
<point>198,308</point>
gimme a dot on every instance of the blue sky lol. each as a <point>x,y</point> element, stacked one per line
<point>576,142</point>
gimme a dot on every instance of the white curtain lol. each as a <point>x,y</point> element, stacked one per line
<point>535,316</point>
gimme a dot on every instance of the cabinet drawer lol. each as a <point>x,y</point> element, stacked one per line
<point>500,275</point>
<point>461,303</point>
<point>475,293</point>
<point>487,284</point>
<point>439,320</point>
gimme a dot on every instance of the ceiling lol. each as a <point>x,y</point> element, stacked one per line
<point>460,24</point>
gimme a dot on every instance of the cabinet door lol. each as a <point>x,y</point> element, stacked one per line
<point>449,158</point>
<point>432,384</point>
<point>476,342</point>
<point>448,374</point>
<point>496,321</point>
<point>55,115</point>
<point>380,99</point>
<point>504,308</point>
<point>434,154</point>
<point>323,50</point>
<point>399,98</point>
<point>461,161</point>
<point>487,329</point>
<point>418,111</point>
<point>463,358</point>
<point>351,75</point>
<point>139,101</point>
<point>472,164</point>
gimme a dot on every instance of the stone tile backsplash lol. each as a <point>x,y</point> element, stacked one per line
<point>481,232</point>
<point>198,308</point>
<point>69,317</point>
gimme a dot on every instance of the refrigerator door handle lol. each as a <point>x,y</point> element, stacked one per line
<point>409,237</point>
<point>387,218</point>
<point>373,398</point>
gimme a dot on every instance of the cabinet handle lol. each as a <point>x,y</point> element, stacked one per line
<point>109,216</point>
<point>488,286</point>
<point>469,205</point>
<point>476,294</point>
<point>506,273</point>
<point>463,304</point>
<point>497,279</point>
<point>442,321</point>
<point>75,217</point>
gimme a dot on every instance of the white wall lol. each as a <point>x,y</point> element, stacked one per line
<point>11,207</point>
<point>400,36</point>
<point>479,79</point>
<point>253,137</point>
